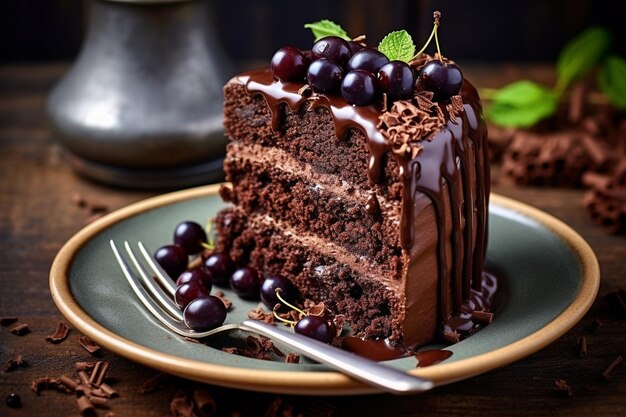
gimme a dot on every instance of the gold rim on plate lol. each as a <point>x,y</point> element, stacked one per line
<point>318,383</point>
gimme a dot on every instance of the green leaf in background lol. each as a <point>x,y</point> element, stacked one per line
<point>521,104</point>
<point>612,80</point>
<point>581,55</point>
<point>325,28</point>
<point>398,46</point>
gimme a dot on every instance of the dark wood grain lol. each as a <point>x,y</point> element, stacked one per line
<point>37,216</point>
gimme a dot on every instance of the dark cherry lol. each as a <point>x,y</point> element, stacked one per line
<point>13,401</point>
<point>288,291</point>
<point>367,59</point>
<point>333,48</point>
<point>220,266</point>
<point>289,64</point>
<point>245,282</point>
<point>198,274</point>
<point>173,259</point>
<point>355,47</point>
<point>204,313</point>
<point>359,87</point>
<point>314,327</point>
<point>188,292</point>
<point>397,80</point>
<point>190,236</point>
<point>444,80</point>
<point>324,76</point>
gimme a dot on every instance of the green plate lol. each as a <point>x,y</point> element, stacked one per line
<point>549,278</point>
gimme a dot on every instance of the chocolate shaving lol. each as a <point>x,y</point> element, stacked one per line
<point>261,315</point>
<point>453,337</point>
<point>5,321</point>
<point>455,108</point>
<point>85,366</point>
<point>318,310</point>
<point>99,372</point>
<point>339,321</point>
<point>46,382</point>
<point>99,402</point>
<point>84,378</point>
<point>20,329</point>
<point>181,405</point>
<point>606,374</point>
<point>482,316</point>
<point>68,382</point>
<point>205,403</point>
<point>153,383</point>
<point>561,385</point>
<point>108,391</point>
<point>582,346</point>
<point>59,334</point>
<point>14,363</point>
<point>85,406</point>
<point>227,303</point>
<point>89,345</point>
<point>292,358</point>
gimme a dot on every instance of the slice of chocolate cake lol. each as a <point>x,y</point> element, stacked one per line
<point>379,211</point>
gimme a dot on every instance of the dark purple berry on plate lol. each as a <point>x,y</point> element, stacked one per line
<point>333,48</point>
<point>397,80</point>
<point>355,47</point>
<point>444,80</point>
<point>204,313</point>
<point>314,327</point>
<point>359,87</point>
<point>220,266</point>
<point>173,259</point>
<point>367,59</point>
<point>324,76</point>
<point>188,292</point>
<point>288,291</point>
<point>13,401</point>
<point>198,274</point>
<point>246,282</point>
<point>289,64</point>
<point>190,236</point>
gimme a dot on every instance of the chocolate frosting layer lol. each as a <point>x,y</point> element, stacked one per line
<point>451,169</point>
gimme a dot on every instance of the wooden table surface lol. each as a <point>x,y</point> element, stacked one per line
<point>37,216</point>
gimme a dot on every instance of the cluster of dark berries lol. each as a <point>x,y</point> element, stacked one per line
<point>361,74</point>
<point>202,311</point>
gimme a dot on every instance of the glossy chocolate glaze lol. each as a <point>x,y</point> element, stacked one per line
<point>431,357</point>
<point>453,163</point>
<point>382,350</point>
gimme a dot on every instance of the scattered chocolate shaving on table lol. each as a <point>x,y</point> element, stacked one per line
<point>46,382</point>
<point>594,326</point>
<point>582,346</point>
<point>605,200</point>
<point>152,384</point>
<point>181,405</point>
<point>227,303</point>
<point>99,402</point>
<point>292,358</point>
<point>14,363</point>
<point>89,345</point>
<point>606,374</point>
<point>561,385</point>
<point>85,406</point>
<point>84,378</point>
<point>68,382</point>
<point>59,335</point>
<point>205,403</point>
<point>85,366</point>
<point>99,372</point>
<point>5,321</point>
<point>20,329</point>
<point>108,391</point>
<point>261,315</point>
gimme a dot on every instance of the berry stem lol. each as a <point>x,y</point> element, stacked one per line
<point>433,33</point>
<point>278,291</point>
<point>277,317</point>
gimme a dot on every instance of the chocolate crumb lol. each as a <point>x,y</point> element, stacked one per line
<point>181,405</point>
<point>205,403</point>
<point>582,346</point>
<point>20,329</point>
<point>59,334</point>
<point>13,363</point>
<point>561,385</point>
<point>5,321</point>
<point>153,383</point>
<point>292,358</point>
<point>606,374</point>
<point>89,345</point>
<point>227,303</point>
<point>85,406</point>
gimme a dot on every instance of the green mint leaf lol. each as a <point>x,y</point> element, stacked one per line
<point>612,80</point>
<point>581,55</point>
<point>521,104</point>
<point>398,46</point>
<point>325,28</point>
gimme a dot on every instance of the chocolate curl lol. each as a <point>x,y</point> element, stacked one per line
<point>205,403</point>
<point>577,102</point>
<point>13,363</point>
<point>99,402</point>
<point>84,378</point>
<point>98,373</point>
<point>68,382</point>
<point>89,345</point>
<point>85,366</point>
<point>5,321</point>
<point>182,406</point>
<point>20,329</point>
<point>59,334</point>
<point>108,391</point>
<point>606,374</point>
<point>85,406</point>
<point>595,149</point>
<point>561,385</point>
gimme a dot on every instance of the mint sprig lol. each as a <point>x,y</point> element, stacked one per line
<point>326,27</point>
<point>397,46</point>
<point>522,104</point>
<point>612,80</point>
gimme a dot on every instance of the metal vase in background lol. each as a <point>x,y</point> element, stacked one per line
<point>142,105</point>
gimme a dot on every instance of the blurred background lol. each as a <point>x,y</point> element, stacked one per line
<point>251,30</point>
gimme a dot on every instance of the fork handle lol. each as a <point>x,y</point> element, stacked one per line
<point>373,373</point>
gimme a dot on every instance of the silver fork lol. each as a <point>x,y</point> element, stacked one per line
<point>159,302</point>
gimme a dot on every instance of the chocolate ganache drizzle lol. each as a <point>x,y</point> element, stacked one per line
<point>452,164</point>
